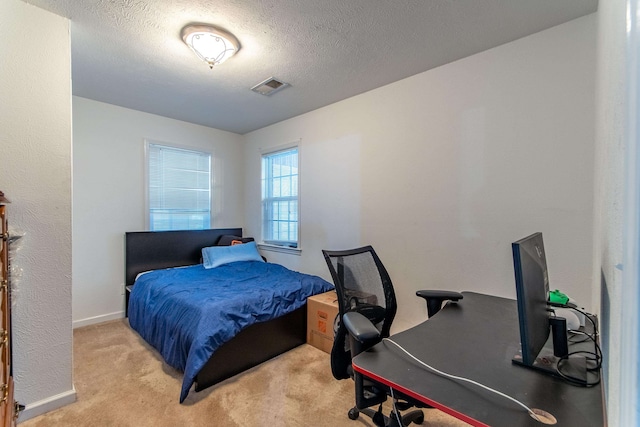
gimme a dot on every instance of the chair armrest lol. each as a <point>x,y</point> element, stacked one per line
<point>361,328</point>
<point>434,299</point>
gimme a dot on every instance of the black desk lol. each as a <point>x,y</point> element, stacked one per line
<point>476,339</point>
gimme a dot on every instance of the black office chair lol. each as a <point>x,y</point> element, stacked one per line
<point>366,297</point>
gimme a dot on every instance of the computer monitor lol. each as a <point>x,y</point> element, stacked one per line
<point>535,317</point>
<point>532,291</point>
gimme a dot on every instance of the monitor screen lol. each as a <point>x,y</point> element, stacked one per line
<point>532,290</point>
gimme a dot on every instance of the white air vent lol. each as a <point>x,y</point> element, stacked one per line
<point>269,86</point>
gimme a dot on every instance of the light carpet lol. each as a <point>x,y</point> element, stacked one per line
<point>121,381</point>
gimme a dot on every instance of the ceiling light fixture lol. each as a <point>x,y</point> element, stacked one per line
<point>211,44</point>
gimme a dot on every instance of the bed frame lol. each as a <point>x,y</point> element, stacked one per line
<point>150,250</point>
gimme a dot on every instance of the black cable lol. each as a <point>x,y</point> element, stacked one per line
<point>588,316</point>
<point>596,356</point>
<point>573,380</point>
<point>598,350</point>
<point>593,337</point>
<point>574,333</point>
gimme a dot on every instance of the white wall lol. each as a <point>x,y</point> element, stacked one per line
<point>35,173</point>
<point>440,172</point>
<point>109,195</point>
<point>616,225</point>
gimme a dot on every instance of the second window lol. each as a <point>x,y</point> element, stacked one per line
<point>280,207</point>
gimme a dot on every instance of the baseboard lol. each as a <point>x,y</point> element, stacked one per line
<point>49,404</point>
<point>97,319</point>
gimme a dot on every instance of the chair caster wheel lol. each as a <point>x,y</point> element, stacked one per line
<point>353,413</point>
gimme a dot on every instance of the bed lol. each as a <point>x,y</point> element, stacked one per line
<point>172,301</point>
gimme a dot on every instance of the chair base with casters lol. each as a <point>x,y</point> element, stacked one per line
<point>362,336</point>
<point>369,394</point>
<point>381,420</point>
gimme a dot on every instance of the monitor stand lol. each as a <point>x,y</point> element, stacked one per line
<point>574,367</point>
<point>550,361</point>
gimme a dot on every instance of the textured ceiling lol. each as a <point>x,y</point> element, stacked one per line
<point>129,52</point>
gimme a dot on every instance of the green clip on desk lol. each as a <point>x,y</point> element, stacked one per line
<point>476,339</point>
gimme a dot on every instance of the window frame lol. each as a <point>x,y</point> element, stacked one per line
<point>270,244</point>
<point>147,212</point>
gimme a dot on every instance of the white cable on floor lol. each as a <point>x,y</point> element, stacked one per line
<point>395,410</point>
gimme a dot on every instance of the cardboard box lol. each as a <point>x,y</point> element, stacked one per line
<point>322,310</point>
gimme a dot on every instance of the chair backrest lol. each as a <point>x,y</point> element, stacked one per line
<point>363,285</point>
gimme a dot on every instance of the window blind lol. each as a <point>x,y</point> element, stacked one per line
<point>179,188</point>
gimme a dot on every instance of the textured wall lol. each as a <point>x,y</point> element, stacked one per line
<point>617,127</point>
<point>443,170</point>
<point>35,173</point>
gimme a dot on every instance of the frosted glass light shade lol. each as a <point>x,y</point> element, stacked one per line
<point>212,45</point>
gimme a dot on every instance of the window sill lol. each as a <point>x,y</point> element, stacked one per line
<point>281,249</point>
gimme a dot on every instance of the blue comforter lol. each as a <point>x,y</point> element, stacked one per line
<point>187,313</point>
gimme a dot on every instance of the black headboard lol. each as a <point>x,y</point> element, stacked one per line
<point>152,250</point>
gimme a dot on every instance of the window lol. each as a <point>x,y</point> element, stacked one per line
<point>179,188</point>
<point>280,197</point>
